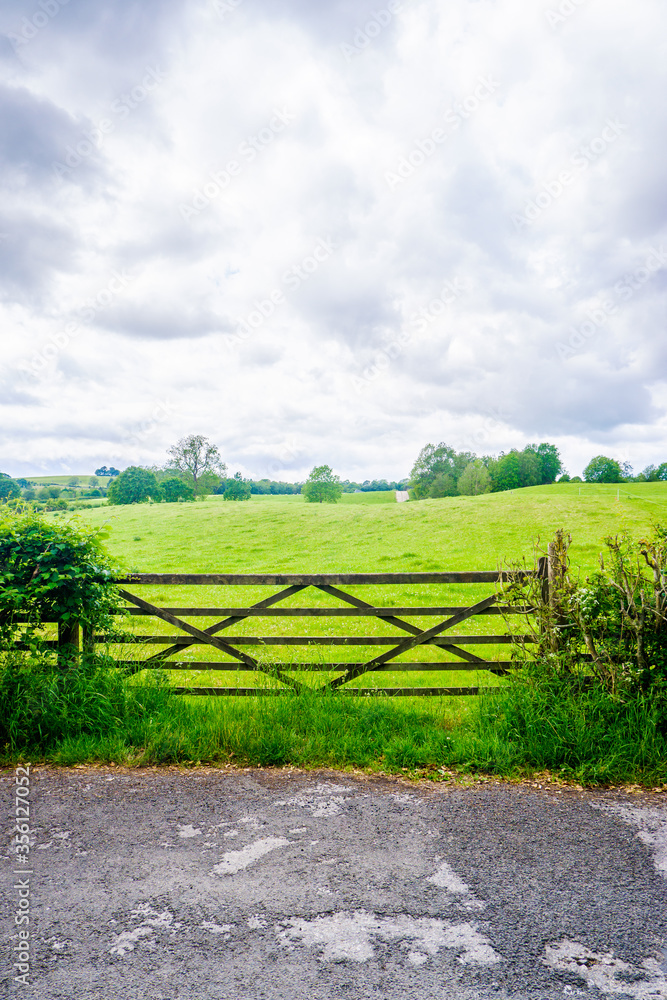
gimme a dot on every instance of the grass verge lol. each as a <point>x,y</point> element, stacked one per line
<point>94,714</point>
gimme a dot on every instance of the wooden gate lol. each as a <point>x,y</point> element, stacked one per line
<point>407,636</point>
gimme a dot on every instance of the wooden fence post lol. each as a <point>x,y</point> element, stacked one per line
<point>68,642</point>
<point>87,642</point>
<point>544,576</point>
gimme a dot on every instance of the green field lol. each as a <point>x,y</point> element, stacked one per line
<point>283,534</point>
<point>84,480</point>
<point>384,496</point>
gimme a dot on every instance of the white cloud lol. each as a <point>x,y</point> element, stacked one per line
<point>301,137</point>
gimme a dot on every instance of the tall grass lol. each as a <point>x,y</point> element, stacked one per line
<point>95,714</point>
<point>579,732</point>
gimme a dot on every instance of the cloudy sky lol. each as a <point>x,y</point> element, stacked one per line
<point>331,231</point>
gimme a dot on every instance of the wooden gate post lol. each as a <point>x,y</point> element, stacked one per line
<point>68,642</point>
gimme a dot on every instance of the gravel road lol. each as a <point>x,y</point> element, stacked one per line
<point>166,884</point>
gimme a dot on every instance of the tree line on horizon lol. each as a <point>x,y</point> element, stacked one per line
<point>195,469</point>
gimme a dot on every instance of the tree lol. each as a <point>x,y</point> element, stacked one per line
<point>474,480</point>
<point>322,486</point>
<point>603,470</point>
<point>661,472</point>
<point>9,490</point>
<point>135,485</point>
<point>237,488</point>
<point>194,455</point>
<point>103,471</point>
<point>437,469</point>
<point>550,461</point>
<point>505,472</point>
<point>443,484</point>
<point>174,489</point>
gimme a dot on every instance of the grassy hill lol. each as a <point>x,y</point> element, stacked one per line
<point>366,533</point>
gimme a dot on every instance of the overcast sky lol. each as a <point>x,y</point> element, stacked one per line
<point>330,231</point>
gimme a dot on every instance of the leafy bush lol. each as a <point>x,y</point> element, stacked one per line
<point>172,490</point>
<point>133,486</point>
<point>51,572</point>
<point>238,488</point>
<point>612,629</point>
<point>9,489</point>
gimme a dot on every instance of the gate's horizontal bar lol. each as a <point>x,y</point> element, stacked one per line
<point>314,640</point>
<point>319,612</point>
<point>396,667</point>
<point>354,692</point>
<point>314,579</point>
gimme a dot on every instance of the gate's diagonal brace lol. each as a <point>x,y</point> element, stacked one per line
<point>357,603</point>
<point>463,654</point>
<point>205,637</point>
<point>407,644</point>
<point>213,629</point>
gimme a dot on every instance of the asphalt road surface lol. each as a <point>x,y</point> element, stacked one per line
<point>164,884</point>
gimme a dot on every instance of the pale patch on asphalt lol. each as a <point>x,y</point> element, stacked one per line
<point>256,923</point>
<point>351,936</point>
<point>188,831</point>
<point>652,825</point>
<point>610,975</point>
<point>324,800</point>
<point>151,922</point>
<point>235,861</point>
<point>210,925</point>
<point>447,878</point>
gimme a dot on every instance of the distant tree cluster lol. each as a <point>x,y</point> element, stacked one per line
<point>373,486</point>
<point>264,487</point>
<point>441,471</point>
<point>607,470</point>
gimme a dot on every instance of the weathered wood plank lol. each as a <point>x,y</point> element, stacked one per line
<point>396,666</point>
<point>368,611</point>
<point>442,692</point>
<point>181,641</point>
<point>311,579</point>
